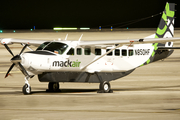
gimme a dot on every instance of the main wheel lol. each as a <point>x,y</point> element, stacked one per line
<point>53,86</point>
<point>105,87</point>
<point>26,89</point>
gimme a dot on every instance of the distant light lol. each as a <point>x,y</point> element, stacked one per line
<point>84,28</point>
<point>14,31</point>
<point>31,29</point>
<point>59,28</point>
<point>127,28</point>
<point>99,28</point>
<point>34,27</point>
<point>1,31</point>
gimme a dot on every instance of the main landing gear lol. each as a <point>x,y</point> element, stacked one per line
<point>104,86</point>
<point>53,87</point>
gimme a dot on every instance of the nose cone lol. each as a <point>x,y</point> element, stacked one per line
<point>25,60</point>
<point>16,59</point>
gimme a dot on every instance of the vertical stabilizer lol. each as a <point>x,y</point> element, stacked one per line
<point>166,25</point>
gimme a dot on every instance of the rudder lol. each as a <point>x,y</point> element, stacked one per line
<point>166,25</point>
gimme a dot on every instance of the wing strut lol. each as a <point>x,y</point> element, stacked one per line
<point>100,57</point>
<point>80,38</point>
<point>66,37</point>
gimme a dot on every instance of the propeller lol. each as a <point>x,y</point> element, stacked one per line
<point>6,46</point>
<point>9,70</point>
<point>16,60</point>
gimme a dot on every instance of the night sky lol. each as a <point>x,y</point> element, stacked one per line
<point>44,14</point>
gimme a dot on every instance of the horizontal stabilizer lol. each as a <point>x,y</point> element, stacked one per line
<point>166,48</point>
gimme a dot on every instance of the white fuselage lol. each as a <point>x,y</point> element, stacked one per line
<point>120,60</point>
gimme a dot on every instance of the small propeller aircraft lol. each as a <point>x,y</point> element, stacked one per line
<point>92,61</point>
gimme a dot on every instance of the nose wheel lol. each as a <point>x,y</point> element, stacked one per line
<point>26,88</point>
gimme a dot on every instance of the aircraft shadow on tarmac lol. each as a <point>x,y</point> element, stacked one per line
<point>67,91</point>
<point>152,88</point>
<point>84,91</point>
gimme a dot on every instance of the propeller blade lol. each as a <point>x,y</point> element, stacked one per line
<point>6,46</point>
<point>23,70</point>
<point>23,49</point>
<point>9,70</point>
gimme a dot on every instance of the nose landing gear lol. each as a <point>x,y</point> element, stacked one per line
<point>26,88</point>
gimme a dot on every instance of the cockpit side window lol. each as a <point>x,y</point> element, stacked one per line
<point>42,46</point>
<point>55,47</point>
<point>71,51</point>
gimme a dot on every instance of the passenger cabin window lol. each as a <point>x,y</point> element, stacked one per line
<point>97,51</point>
<point>71,51</point>
<point>124,52</point>
<point>117,52</point>
<point>87,51</point>
<point>131,52</point>
<point>110,54</point>
<point>79,51</point>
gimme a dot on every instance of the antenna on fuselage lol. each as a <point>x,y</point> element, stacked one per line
<point>66,37</point>
<point>80,38</point>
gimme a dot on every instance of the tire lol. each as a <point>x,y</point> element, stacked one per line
<point>26,89</point>
<point>105,86</point>
<point>53,86</point>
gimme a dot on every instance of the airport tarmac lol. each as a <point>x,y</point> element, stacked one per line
<point>150,92</point>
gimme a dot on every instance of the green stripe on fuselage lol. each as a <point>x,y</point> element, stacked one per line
<point>148,61</point>
<point>153,54</point>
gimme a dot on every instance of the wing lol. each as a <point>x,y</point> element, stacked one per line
<point>113,42</point>
<point>21,41</point>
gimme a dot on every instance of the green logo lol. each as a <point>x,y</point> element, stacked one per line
<point>66,63</point>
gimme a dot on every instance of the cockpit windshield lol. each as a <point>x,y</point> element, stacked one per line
<point>55,47</point>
